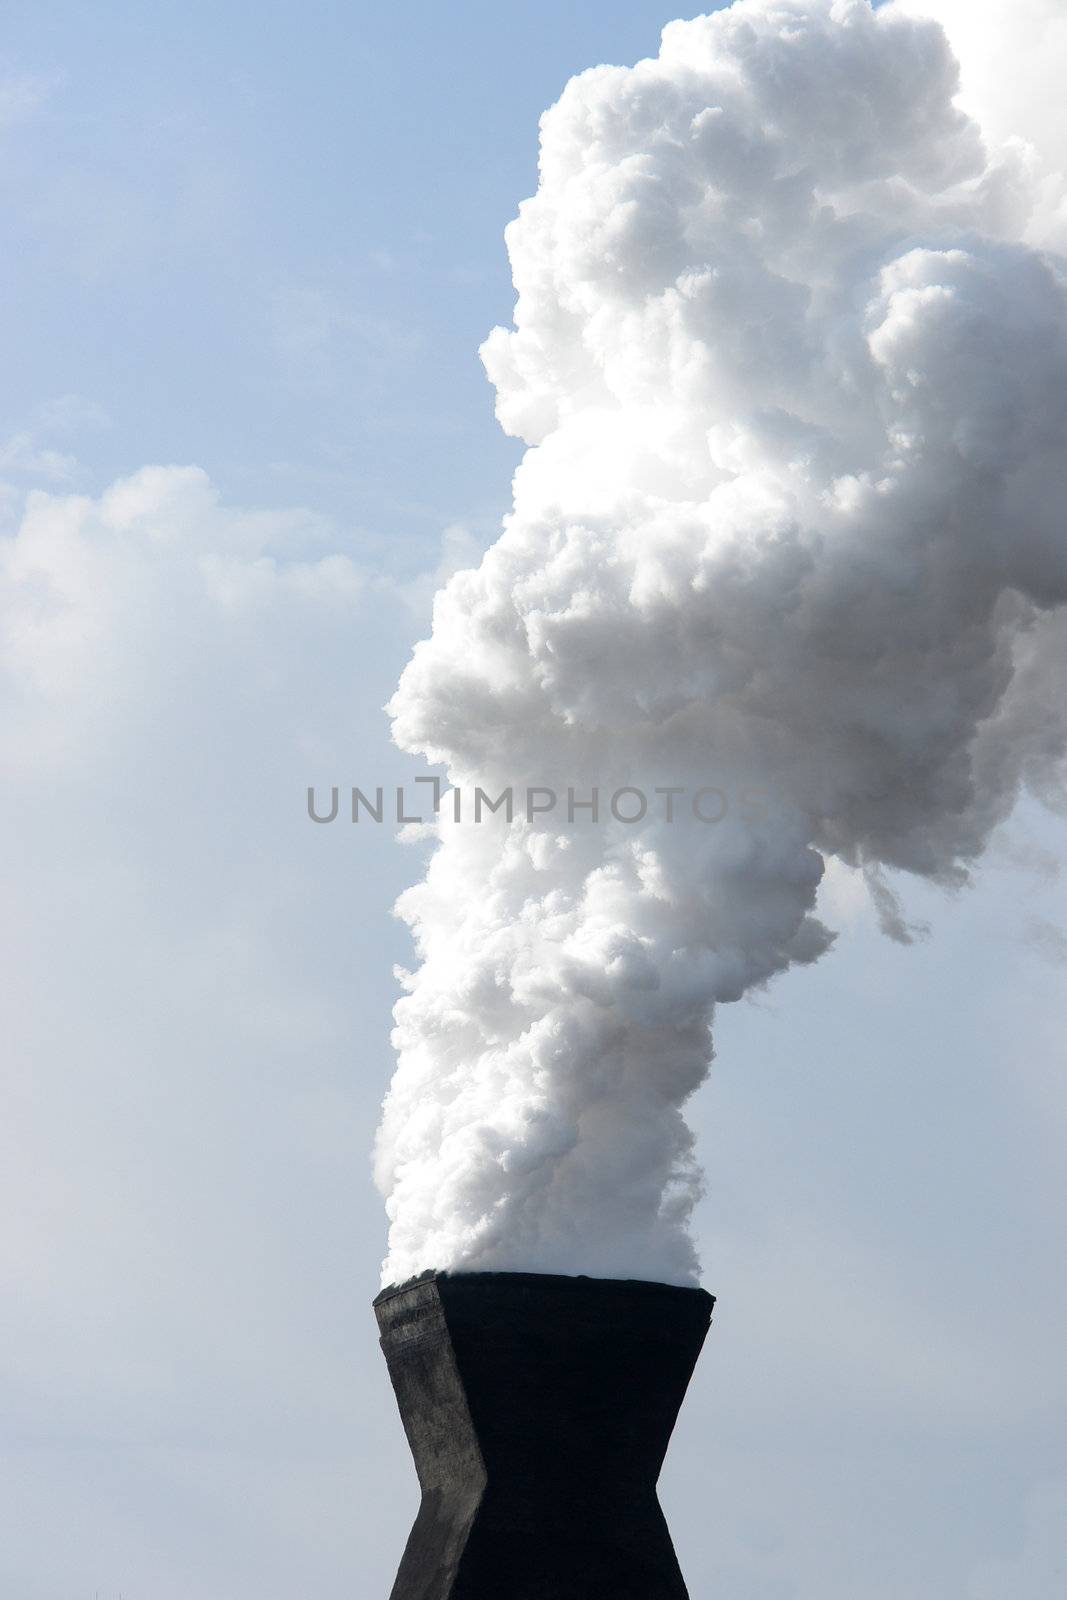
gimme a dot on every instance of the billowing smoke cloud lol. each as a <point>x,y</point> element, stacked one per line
<point>792,369</point>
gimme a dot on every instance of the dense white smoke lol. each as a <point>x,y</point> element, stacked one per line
<point>792,368</point>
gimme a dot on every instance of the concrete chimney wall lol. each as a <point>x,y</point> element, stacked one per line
<point>538,1410</point>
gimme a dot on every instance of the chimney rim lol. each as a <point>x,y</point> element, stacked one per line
<point>545,1280</point>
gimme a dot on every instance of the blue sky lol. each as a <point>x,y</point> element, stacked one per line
<point>269,241</point>
<point>266,241</point>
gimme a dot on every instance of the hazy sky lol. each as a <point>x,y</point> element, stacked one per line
<point>257,249</point>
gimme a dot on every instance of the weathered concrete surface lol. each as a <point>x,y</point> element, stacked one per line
<point>538,1410</point>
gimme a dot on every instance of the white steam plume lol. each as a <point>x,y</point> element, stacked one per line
<point>792,368</point>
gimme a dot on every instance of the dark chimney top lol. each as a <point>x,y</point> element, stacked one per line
<point>538,1410</point>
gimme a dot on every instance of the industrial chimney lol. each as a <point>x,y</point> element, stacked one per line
<point>538,1410</point>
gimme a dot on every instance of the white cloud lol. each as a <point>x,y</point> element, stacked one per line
<point>22,454</point>
<point>1011,54</point>
<point>23,93</point>
<point>110,604</point>
<point>195,1018</point>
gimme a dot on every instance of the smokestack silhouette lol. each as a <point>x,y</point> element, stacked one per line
<point>538,1410</point>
